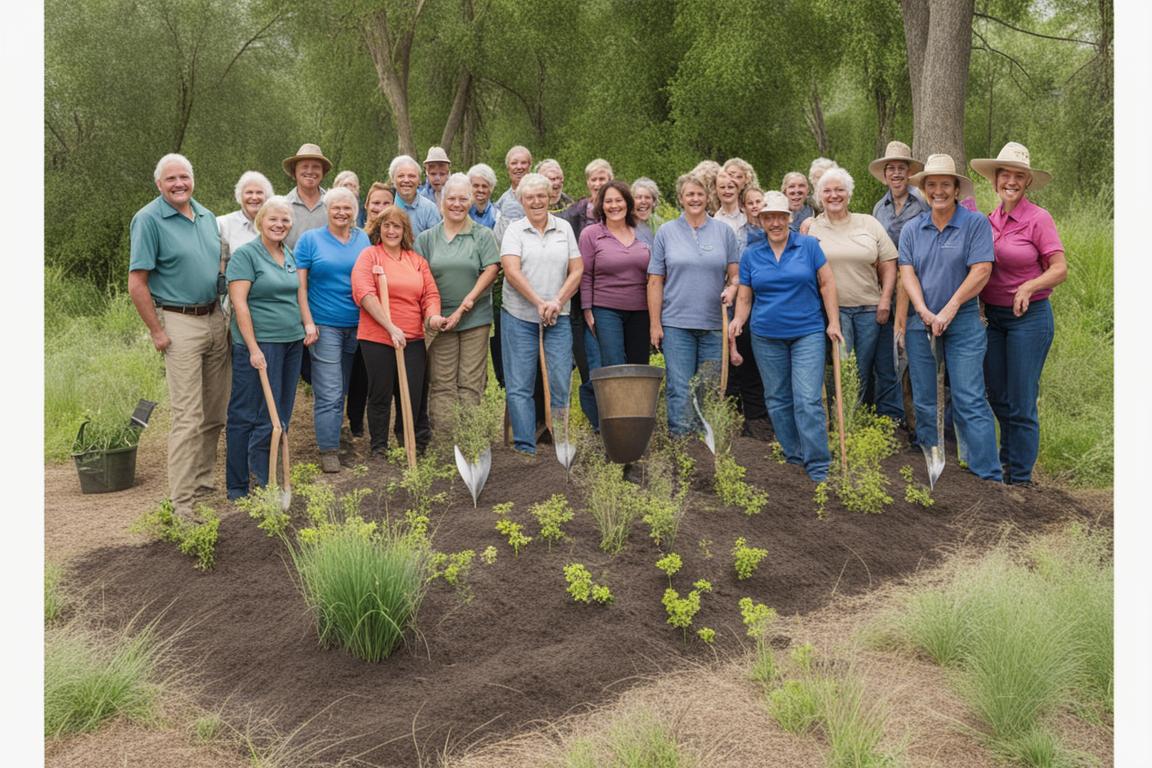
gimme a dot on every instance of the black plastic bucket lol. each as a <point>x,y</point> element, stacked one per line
<point>106,471</point>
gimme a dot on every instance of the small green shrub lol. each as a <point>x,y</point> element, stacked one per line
<point>517,539</point>
<point>454,569</point>
<point>682,610</point>
<point>734,490</point>
<point>661,505</point>
<point>914,492</point>
<point>263,504</point>
<point>551,515</point>
<point>197,540</point>
<point>869,439</point>
<point>706,634</point>
<point>476,427</point>
<point>670,564</point>
<point>582,588</point>
<point>746,558</point>
<point>488,555</point>
<point>820,499</point>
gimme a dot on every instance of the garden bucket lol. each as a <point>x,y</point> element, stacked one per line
<point>626,396</point>
<point>106,471</point>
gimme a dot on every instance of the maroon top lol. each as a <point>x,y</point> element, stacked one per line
<point>615,275</point>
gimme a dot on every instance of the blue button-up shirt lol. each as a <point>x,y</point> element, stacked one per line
<point>786,301</point>
<point>941,258</point>
<point>425,190</point>
<point>885,212</point>
<point>422,213</point>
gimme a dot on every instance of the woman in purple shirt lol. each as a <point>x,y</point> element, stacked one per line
<point>613,290</point>
<point>1029,264</point>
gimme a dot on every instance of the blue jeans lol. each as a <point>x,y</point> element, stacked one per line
<point>249,429</point>
<point>685,350</point>
<point>622,336</point>
<point>520,346</point>
<point>332,357</point>
<point>964,345</point>
<point>586,393</point>
<point>793,372</point>
<point>887,394</point>
<point>861,334</point>
<point>1017,348</point>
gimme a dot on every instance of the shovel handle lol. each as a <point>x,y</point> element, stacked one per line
<point>839,406</point>
<point>402,375</point>
<point>724,349</point>
<point>278,435</point>
<point>547,389</point>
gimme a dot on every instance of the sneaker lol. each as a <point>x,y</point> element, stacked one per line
<point>330,462</point>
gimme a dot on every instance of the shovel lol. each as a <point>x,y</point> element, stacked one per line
<point>565,451</point>
<point>402,374</point>
<point>839,407</point>
<point>934,456</point>
<point>279,446</point>
<point>475,474</point>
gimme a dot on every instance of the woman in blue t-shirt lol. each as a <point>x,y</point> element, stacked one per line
<point>791,282</point>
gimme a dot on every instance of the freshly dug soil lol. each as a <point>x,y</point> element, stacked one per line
<point>520,649</point>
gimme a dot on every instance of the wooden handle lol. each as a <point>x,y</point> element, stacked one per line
<point>277,429</point>
<point>547,389</point>
<point>839,406</point>
<point>402,375</point>
<point>724,349</point>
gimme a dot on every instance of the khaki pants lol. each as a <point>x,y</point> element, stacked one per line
<point>457,371</point>
<point>198,369</point>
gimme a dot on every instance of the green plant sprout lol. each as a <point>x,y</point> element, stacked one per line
<point>581,587</point>
<point>682,610</point>
<point>746,558</point>
<point>820,499</point>
<point>670,564</point>
<point>758,619</point>
<point>707,634</point>
<point>914,492</point>
<point>776,452</point>
<point>551,515</point>
<point>705,547</point>
<point>488,556</point>
<point>734,490</point>
<point>869,439</point>
<point>263,504</point>
<point>515,533</point>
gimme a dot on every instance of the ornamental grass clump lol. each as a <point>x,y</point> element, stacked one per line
<point>364,584</point>
<point>721,414</point>
<point>661,504</point>
<point>609,499</point>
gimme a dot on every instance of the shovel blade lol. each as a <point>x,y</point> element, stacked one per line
<point>565,453</point>
<point>474,474</point>
<point>285,499</point>
<point>934,458</point>
<point>709,437</point>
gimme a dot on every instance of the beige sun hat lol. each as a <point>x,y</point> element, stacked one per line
<point>943,165</point>
<point>774,202</point>
<point>896,150</point>
<point>306,152</point>
<point>437,155</point>
<point>1013,155</point>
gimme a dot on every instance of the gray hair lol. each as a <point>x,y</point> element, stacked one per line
<point>514,150</point>
<point>646,183</point>
<point>344,176</point>
<point>837,173</point>
<point>171,157</point>
<point>399,161</point>
<point>276,202</point>
<point>532,181</point>
<point>455,180</point>
<point>484,171</point>
<point>599,164</point>
<point>820,164</point>
<point>689,178</point>
<point>336,193</point>
<point>253,177</point>
<point>788,177</point>
<point>546,164</point>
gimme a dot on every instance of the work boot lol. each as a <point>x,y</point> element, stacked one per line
<point>330,462</point>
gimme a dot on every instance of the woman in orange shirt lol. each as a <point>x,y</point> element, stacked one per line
<point>413,307</point>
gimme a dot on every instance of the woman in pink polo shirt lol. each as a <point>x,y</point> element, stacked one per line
<point>1029,264</point>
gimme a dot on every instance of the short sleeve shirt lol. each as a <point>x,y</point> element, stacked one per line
<point>786,293</point>
<point>941,258</point>
<point>272,297</point>
<point>543,262</point>
<point>799,216</point>
<point>422,213</point>
<point>236,230</point>
<point>885,212</point>
<point>854,248</point>
<point>181,255</point>
<point>329,263</point>
<point>509,206</point>
<point>1023,242</point>
<point>303,217</point>
<point>455,267</point>
<point>693,262</point>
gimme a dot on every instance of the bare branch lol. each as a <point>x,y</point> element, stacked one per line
<point>1003,23</point>
<point>249,42</point>
<point>56,133</point>
<point>988,47</point>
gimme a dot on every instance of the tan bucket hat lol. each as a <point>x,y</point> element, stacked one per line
<point>1013,155</point>
<point>896,150</point>
<point>943,165</point>
<point>306,152</point>
<point>774,202</point>
<point>437,155</point>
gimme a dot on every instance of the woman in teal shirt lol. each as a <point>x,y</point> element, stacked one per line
<point>464,260</point>
<point>267,333</point>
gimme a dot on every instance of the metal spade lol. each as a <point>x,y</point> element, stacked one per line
<point>934,455</point>
<point>475,474</point>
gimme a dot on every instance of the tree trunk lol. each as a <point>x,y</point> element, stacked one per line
<point>815,119</point>
<point>391,59</point>
<point>459,109</point>
<point>938,36</point>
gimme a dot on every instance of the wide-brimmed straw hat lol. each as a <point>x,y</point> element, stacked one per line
<point>1016,156</point>
<point>896,150</point>
<point>943,165</point>
<point>306,152</point>
<point>437,155</point>
<point>774,202</point>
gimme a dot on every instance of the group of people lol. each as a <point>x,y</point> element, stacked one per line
<point>320,283</point>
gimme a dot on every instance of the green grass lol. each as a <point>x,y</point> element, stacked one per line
<point>55,597</point>
<point>98,359</point>
<point>89,678</point>
<point>1030,634</point>
<point>638,740</point>
<point>364,587</point>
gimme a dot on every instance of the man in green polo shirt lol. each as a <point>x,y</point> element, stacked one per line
<point>175,259</point>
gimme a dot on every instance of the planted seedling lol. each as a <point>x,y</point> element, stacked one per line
<point>869,439</point>
<point>914,492</point>
<point>670,564</point>
<point>581,587</point>
<point>551,515</point>
<point>746,558</point>
<point>488,555</point>
<point>198,540</point>
<point>707,634</point>
<point>734,490</point>
<point>454,569</point>
<point>758,619</point>
<point>681,610</point>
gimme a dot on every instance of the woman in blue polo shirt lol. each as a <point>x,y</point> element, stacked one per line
<point>790,281</point>
<point>267,332</point>
<point>945,261</point>
<point>695,260</point>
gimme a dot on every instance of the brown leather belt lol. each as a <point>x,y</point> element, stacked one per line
<point>191,309</point>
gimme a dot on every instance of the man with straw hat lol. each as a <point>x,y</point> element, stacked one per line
<point>945,260</point>
<point>1029,264</point>
<point>307,167</point>
<point>900,205</point>
<point>437,168</point>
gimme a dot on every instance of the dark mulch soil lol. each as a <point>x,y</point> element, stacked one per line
<point>521,649</point>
